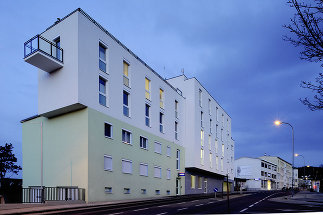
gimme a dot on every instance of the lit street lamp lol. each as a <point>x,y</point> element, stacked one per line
<point>277,122</point>
<point>299,155</point>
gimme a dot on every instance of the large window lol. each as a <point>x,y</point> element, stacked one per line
<point>126,136</point>
<point>217,162</point>
<point>200,97</point>
<point>211,160</point>
<point>222,150</point>
<point>102,91</point>
<point>147,88</point>
<point>217,114</point>
<point>125,103</point>
<point>176,109</point>
<point>178,157</point>
<point>147,115</point>
<point>201,119</point>
<point>143,169</point>
<point>199,182</point>
<point>221,164</point>
<point>102,58</point>
<point>210,142</point>
<point>161,121</point>
<point>157,172</point>
<point>202,138</point>
<point>161,98</point>
<point>193,181</point>
<point>209,106</point>
<point>107,163</point>
<point>143,142</point>
<point>211,126</point>
<point>202,156</point>
<point>107,130</point>
<point>127,166</point>
<point>216,146</point>
<point>125,73</point>
<point>158,147</point>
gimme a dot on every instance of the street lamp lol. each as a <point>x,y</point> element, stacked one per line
<point>277,122</point>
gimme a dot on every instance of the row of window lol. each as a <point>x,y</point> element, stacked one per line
<point>199,182</point>
<point>269,175</point>
<point>268,166</point>
<point>128,191</point>
<point>126,166</point>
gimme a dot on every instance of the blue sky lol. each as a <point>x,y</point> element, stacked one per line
<point>234,48</point>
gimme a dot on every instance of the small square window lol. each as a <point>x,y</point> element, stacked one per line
<point>143,142</point>
<point>107,130</point>
<point>167,192</point>
<point>126,137</point>
<point>158,147</point>
<point>157,192</point>
<point>107,163</point>
<point>108,189</point>
<point>126,190</point>
<point>143,191</point>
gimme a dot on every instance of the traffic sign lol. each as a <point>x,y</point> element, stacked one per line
<point>181,174</point>
<point>215,189</point>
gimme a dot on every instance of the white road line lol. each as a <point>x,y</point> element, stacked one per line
<point>199,205</point>
<point>117,213</point>
<point>181,209</point>
<point>195,200</point>
<point>243,210</point>
<point>210,203</point>
<point>162,213</point>
<point>251,205</point>
<point>180,203</point>
<point>141,209</point>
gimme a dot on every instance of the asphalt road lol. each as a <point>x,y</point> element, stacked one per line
<point>252,203</point>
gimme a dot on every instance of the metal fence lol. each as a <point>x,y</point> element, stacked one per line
<point>43,194</point>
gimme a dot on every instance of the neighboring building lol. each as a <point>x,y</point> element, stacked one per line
<point>110,124</point>
<point>284,171</point>
<point>255,174</point>
<point>296,179</point>
<point>208,131</point>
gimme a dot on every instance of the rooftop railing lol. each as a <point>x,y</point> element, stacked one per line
<point>39,43</point>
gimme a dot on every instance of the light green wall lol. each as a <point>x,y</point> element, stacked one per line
<point>65,151</point>
<point>75,143</point>
<point>99,145</point>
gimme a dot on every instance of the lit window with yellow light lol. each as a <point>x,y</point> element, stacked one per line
<point>161,98</point>
<point>147,88</point>
<point>125,73</point>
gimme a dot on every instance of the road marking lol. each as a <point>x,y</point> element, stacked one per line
<point>180,203</point>
<point>162,213</point>
<point>195,200</point>
<point>199,205</point>
<point>117,213</point>
<point>243,210</point>
<point>181,209</point>
<point>210,203</point>
<point>160,206</point>
<point>141,209</point>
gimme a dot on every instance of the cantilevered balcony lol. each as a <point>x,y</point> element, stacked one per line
<point>43,54</point>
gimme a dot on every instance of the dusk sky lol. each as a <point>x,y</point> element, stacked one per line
<point>234,48</point>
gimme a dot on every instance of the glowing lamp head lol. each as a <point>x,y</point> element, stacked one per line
<point>307,166</point>
<point>296,155</point>
<point>277,122</point>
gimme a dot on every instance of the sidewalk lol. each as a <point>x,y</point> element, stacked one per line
<point>302,197</point>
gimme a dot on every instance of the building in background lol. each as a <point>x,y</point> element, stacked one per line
<point>284,171</point>
<point>296,179</point>
<point>109,124</point>
<point>255,174</point>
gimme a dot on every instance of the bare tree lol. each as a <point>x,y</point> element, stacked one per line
<point>306,29</point>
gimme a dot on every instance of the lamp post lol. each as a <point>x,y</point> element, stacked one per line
<point>299,155</point>
<point>277,122</point>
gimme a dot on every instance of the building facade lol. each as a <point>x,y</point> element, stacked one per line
<point>255,174</point>
<point>110,124</point>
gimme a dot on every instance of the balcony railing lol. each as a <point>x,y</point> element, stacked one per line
<point>39,43</point>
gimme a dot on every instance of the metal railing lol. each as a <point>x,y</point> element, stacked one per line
<point>39,43</point>
<point>43,194</point>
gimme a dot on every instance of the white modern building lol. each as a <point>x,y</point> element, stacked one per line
<point>255,174</point>
<point>111,125</point>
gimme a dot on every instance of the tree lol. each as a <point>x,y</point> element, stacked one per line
<point>7,161</point>
<point>306,27</point>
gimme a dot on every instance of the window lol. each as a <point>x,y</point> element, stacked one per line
<point>211,161</point>
<point>127,166</point>
<point>209,106</point>
<point>176,130</point>
<point>57,53</point>
<point>125,103</point>
<point>216,130</point>
<point>102,58</point>
<point>193,181</point>
<point>125,74</point>
<point>222,120</point>
<point>210,142</point>
<point>262,164</point>
<point>199,182</point>
<point>202,119</point>
<point>157,192</point>
<point>216,146</point>
<point>217,114</point>
<point>143,170</point>
<point>222,150</point>
<point>178,153</point>
<point>147,115</point>
<point>143,191</point>
<point>200,97</point>
<point>102,92</point>
<point>168,175</point>
<point>217,162</point>
<point>176,109</point>
<point>211,126</point>
<point>147,88</point>
<point>126,190</point>
<point>107,130</point>
<point>126,136</point>
<point>168,151</point>
<point>107,163</point>
<point>167,192</point>
<point>202,138</point>
<point>221,134</point>
<point>262,173</point>
<point>158,147</point>
<point>143,142</point>
<point>108,189</point>
<point>161,119</point>
<point>202,156</point>
<point>157,172</point>
<point>161,98</point>
<point>221,164</point>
